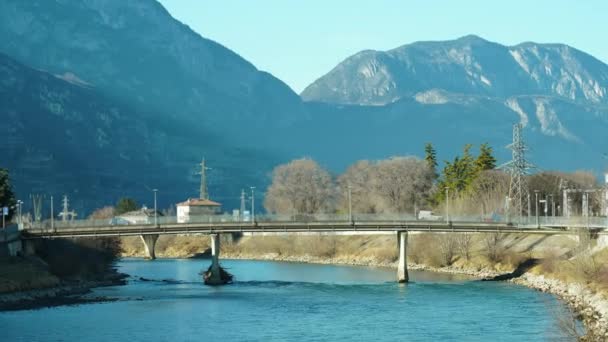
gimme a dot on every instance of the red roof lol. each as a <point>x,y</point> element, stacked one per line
<point>197,202</point>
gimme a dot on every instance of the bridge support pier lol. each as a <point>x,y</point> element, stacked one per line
<point>149,244</point>
<point>15,248</point>
<point>214,276</point>
<point>402,275</point>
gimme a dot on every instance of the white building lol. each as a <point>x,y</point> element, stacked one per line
<point>187,210</point>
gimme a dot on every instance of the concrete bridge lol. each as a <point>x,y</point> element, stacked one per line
<point>214,226</point>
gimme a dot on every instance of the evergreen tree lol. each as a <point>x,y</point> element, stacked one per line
<point>7,196</point>
<point>125,205</point>
<point>458,174</point>
<point>430,156</point>
<point>485,160</point>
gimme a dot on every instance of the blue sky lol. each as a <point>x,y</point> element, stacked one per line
<point>299,41</point>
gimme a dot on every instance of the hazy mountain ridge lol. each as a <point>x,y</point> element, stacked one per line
<point>469,65</point>
<point>135,51</point>
<point>62,138</point>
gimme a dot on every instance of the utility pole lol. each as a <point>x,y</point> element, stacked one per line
<point>536,207</point>
<point>252,204</point>
<point>52,215</point>
<point>529,209</point>
<point>447,205</point>
<point>507,208</point>
<point>19,208</point>
<point>586,207</point>
<point>204,192</point>
<point>242,211</point>
<point>350,203</point>
<point>155,208</point>
<point>37,205</point>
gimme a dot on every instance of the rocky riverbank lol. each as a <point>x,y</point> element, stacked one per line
<point>591,308</point>
<point>65,293</point>
<point>61,272</point>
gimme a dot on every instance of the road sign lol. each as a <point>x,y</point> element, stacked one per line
<point>5,211</point>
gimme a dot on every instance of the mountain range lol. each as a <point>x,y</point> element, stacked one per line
<point>102,99</point>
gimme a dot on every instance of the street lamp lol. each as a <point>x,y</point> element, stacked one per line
<point>536,206</point>
<point>507,208</point>
<point>252,204</point>
<point>155,208</point>
<point>52,215</point>
<point>447,205</point>
<point>19,219</point>
<point>350,203</point>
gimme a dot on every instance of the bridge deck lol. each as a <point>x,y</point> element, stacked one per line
<point>293,227</point>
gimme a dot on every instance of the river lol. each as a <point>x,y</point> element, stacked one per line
<point>275,301</point>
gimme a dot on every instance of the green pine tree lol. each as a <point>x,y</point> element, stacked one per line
<point>7,196</point>
<point>125,205</point>
<point>430,155</point>
<point>485,160</point>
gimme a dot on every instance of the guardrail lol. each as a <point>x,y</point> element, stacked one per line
<point>524,222</point>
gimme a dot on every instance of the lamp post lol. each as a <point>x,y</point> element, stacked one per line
<point>252,204</point>
<point>52,215</point>
<point>19,219</point>
<point>536,207</point>
<point>155,208</point>
<point>507,208</point>
<point>447,205</point>
<point>350,203</point>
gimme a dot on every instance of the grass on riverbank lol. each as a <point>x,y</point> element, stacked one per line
<point>21,274</point>
<point>58,260</point>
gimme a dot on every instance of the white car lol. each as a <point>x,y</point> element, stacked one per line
<point>428,215</point>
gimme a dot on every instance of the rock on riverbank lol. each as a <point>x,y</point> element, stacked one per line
<point>64,294</point>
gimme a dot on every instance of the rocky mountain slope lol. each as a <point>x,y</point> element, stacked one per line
<point>136,52</point>
<point>59,138</point>
<point>469,65</point>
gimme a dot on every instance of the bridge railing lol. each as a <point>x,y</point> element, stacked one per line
<point>404,217</point>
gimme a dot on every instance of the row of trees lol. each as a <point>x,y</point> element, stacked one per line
<point>404,184</point>
<point>388,186</point>
<point>395,185</point>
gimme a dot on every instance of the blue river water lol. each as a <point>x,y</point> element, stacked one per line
<point>274,301</point>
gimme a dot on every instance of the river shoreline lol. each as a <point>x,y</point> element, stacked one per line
<point>591,309</point>
<point>66,293</point>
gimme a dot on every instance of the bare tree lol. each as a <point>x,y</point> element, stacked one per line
<point>401,182</point>
<point>447,246</point>
<point>359,177</point>
<point>464,243</point>
<point>485,196</point>
<point>494,246</point>
<point>300,187</point>
<point>102,213</point>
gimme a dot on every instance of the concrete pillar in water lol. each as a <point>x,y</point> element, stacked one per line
<point>402,275</point>
<point>215,277</point>
<point>149,244</point>
<point>28,247</point>
<point>15,248</point>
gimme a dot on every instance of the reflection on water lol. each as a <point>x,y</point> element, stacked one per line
<point>273,301</point>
